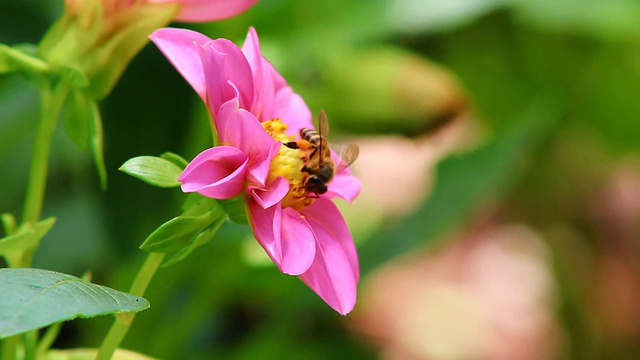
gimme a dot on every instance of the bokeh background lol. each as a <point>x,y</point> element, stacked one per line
<point>500,145</point>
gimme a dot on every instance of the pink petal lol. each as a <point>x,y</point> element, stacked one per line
<point>326,214</point>
<point>272,194</point>
<point>293,111</point>
<point>217,172</point>
<point>228,75</point>
<point>258,170</point>
<point>237,127</point>
<point>298,243</point>
<point>209,10</point>
<point>343,185</point>
<point>263,81</point>
<point>334,273</point>
<point>285,236</point>
<point>265,224</point>
<point>182,48</point>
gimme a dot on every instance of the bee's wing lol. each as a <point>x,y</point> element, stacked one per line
<point>348,154</point>
<point>323,124</point>
<point>323,131</point>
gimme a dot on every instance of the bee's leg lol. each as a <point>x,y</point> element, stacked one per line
<point>313,152</point>
<point>306,169</point>
<point>300,144</point>
<point>291,145</point>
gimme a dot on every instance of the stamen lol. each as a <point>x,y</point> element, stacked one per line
<point>288,163</point>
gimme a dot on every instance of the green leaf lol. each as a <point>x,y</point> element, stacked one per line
<point>197,241</point>
<point>465,182</point>
<point>181,231</point>
<point>153,170</point>
<point>77,118</point>
<point>83,125</point>
<point>21,57</point>
<point>34,298</point>
<point>176,159</point>
<point>236,210</point>
<point>73,76</point>
<point>26,237</point>
<point>9,223</point>
<point>97,142</point>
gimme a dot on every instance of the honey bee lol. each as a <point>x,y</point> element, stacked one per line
<point>318,163</point>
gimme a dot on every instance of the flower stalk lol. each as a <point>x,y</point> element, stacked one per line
<point>123,321</point>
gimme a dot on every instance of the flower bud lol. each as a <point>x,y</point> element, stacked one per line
<point>99,38</point>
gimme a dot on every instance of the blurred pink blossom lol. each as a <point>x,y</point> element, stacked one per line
<point>189,10</point>
<point>208,10</point>
<point>489,296</point>
<point>254,111</point>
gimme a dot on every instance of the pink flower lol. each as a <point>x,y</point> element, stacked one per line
<point>254,111</point>
<point>208,10</point>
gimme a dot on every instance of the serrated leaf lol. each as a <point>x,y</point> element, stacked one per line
<point>176,159</point>
<point>153,170</point>
<point>34,298</point>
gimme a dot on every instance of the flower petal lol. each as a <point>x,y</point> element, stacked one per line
<point>272,194</point>
<point>217,172</point>
<point>182,48</point>
<point>285,236</point>
<point>265,224</point>
<point>343,185</point>
<point>210,10</point>
<point>298,243</point>
<point>293,111</point>
<point>227,74</point>
<point>239,128</point>
<point>335,271</point>
<point>262,71</point>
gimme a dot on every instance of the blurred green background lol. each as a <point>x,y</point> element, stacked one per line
<point>495,112</point>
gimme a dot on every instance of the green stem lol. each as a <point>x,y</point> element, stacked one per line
<point>123,321</point>
<point>47,340</point>
<point>30,339</point>
<point>27,62</point>
<point>52,102</point>
<point>9,346</point>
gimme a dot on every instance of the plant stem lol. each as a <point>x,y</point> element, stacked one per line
<point>30,339</point>
<point>123,321</point>
<point>8,348</point>
<point>52,102</point>
<point>47,340</point>
<point>53,97</point>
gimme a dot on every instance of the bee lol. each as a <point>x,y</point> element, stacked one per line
<point>318,163</point>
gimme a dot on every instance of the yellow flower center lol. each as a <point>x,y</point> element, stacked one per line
<point>288,163</point>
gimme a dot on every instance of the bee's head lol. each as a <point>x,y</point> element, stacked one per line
<point>315,185</point>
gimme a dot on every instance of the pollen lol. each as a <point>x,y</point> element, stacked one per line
<point>288,163</point>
